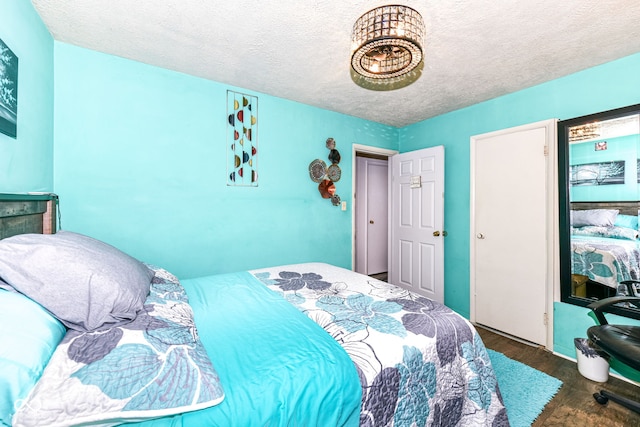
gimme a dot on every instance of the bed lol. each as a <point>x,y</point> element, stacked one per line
<point>604,242</point>
<point>305,344</point>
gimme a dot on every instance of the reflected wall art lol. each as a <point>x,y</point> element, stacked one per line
<point>605,173</point>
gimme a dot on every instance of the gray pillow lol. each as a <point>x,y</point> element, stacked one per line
<point>87,284</point>
<point>598,217</point>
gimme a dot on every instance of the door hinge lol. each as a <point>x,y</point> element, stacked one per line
<point>546,150</point>
<point>545,319</point>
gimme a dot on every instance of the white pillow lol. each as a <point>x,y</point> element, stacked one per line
<point>85,283</point>
<point>599,217</point>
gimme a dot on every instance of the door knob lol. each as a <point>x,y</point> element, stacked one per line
<point>370,221</point>
<point>436,233</point>
<point>480,236</point>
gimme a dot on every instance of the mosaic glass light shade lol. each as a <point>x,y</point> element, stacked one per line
<point>387,48</point>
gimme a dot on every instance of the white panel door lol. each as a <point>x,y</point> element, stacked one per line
<point>416,225</point>
<point>510,229</point>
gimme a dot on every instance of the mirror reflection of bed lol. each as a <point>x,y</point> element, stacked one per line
<point>603,264</point>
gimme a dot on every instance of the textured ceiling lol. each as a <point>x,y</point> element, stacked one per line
<point>475,50</point>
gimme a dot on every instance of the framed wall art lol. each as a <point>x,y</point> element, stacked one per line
<point>8,91</point>
<point>242,139</point>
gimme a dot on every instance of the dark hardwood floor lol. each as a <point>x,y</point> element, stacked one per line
<point>380,276</point>
<point>573,405</point>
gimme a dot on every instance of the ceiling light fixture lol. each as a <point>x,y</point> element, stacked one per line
<point>585,131</point>
<point>387,48</point>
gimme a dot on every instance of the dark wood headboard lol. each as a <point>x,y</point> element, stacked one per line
<point>625,208</point>
<point>27,213</point>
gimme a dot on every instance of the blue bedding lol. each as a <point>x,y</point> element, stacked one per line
<point>420,364</point>
<point>297,345</point>
<point>151,367</point>
<point>277,366</point>
<point>605,260</point>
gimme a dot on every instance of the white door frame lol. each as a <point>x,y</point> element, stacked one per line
<point>359,148</point>
<point>553,261</point>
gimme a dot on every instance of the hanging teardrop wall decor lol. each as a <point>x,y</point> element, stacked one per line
<point>242,144</point>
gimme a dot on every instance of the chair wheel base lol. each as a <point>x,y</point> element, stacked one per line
<point>600,398</point>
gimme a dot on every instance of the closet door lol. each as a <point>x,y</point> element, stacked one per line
<point>372,215</point>
<point>511,226</point>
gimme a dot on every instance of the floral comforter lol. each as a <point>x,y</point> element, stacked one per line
<point>605,260</point>
<point>152,367</point>
<point>419,362</point>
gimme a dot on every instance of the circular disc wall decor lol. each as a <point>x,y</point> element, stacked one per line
<point>317,170</point>
<point>325,177</point>
<point>334,156</point>
<point>334,173</point>
<point>327,189</point>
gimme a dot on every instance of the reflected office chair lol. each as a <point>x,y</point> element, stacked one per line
<point>622,342</point>
<point>632,287</point>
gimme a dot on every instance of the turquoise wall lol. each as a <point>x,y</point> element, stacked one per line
<point>622,148</point>
<point>612,85</point>
<point>140,162</point>
<point>140,159</point>
<point>26,161</point>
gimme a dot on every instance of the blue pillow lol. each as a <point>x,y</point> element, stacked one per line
<point>627,221</point>
<point>29,335</point>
